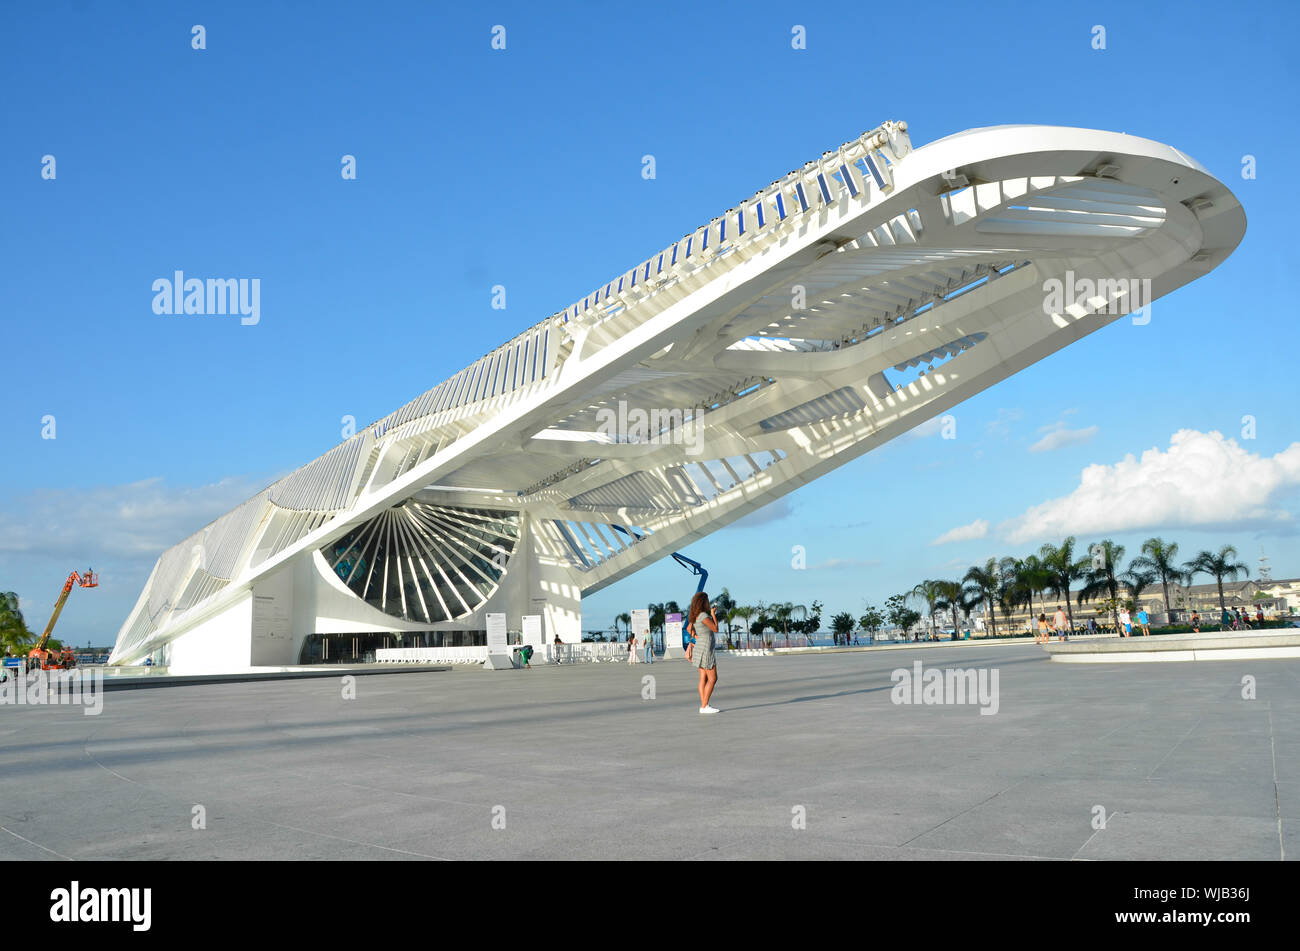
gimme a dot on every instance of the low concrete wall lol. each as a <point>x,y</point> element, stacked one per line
<point>158,677</point>
<point>583,653</point>
<point>1209,645</point>
<point>433,655</point>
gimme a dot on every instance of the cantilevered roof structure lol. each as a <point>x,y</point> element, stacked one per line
<point>761,350</point>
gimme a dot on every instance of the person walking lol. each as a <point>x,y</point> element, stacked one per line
<point>1196,622</point>
<point>1144,621</point>
<point>702,626</point>
<point>631,648</point>
<point>1125,622</point>
<point>1061,623</point>
<point>649,641</point>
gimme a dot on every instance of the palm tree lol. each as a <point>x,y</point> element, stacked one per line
<point>725,604</point>
<point>625,619</point>
<point>1137,581</point>
<point>744,612</point>
<point>658,615</point>
<point>950,596</point>
<point>1012,592</point>
<point>1158,558</point>
<point>1065,570</point>
<point>14,633</point>
<point>971,598</point>
<point>762,621</point>
<point>1034,577</point>
<point>929,592</point>
<point>984,580</point>
<point>782,612</point>
<point>1220,566</point>
<point>1102,576</point>
<point>798,614</point>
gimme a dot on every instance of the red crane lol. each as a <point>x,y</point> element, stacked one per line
<point>38,656</point>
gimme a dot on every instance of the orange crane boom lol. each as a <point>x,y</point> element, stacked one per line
<point>38,655</point>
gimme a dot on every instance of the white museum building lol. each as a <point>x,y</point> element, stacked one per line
<point>874,288</point>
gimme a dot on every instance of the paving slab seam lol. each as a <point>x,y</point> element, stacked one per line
<point>37,844</point>
<point>1156,768</point>
<point>991,798</point>
<point>1277,794</point>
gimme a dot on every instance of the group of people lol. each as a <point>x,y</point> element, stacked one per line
<point>644,646</point>
<point>1233,619</point>
<point>1128,621</point>
<point>1060,626</point>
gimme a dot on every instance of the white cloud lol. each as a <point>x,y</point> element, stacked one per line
<point>1058,437</point>
<point>1202,480</point>
<point>964,533</point>
<point>136,520</point>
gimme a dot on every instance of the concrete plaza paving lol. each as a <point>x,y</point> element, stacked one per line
<point>578,765</point>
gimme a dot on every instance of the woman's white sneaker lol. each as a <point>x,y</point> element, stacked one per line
<point>709,709</point>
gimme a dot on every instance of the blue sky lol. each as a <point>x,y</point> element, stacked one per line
<point>522,167</point>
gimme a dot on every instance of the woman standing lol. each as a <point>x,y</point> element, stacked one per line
<point>702,626</point>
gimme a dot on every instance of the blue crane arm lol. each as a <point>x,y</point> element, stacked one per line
<point>695,567</point>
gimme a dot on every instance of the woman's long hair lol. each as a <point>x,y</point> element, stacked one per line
<point>699,605</point>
